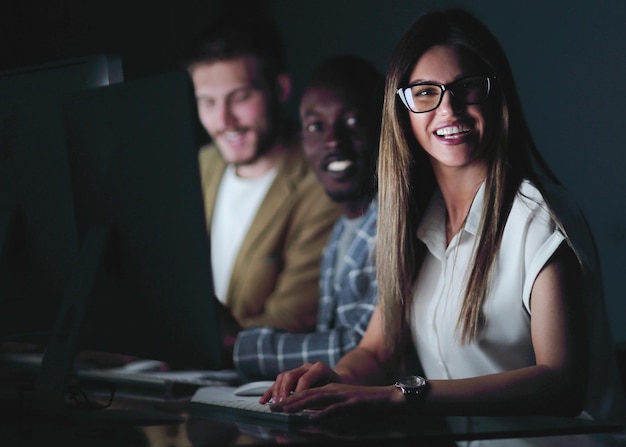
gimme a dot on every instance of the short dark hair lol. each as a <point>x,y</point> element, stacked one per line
<point>357,77</point>
<point>228,38</point>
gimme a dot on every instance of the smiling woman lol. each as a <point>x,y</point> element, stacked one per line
<point>485,264</point>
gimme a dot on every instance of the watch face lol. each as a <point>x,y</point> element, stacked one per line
<point>413,381</point>
<point>413,387</point>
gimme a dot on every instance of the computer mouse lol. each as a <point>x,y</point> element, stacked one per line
<point>257,388</point>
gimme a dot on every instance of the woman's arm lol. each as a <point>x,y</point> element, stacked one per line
<point>369,362</point>
<point>366,364</point>
<point>555,385</point>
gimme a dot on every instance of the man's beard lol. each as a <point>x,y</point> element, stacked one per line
<point>268,139</point>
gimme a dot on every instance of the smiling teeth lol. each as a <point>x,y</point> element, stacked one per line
<point>452,130</point>
<point>232,135</point>
<point>339,166</point>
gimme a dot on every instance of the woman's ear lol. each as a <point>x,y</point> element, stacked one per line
<point>283,83</point>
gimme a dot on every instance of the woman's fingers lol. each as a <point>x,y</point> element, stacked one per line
<point>267,396</point>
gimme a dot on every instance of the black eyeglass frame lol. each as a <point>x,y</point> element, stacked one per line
<point>445,87</point>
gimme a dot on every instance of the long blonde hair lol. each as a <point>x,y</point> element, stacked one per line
<point>406,180</point>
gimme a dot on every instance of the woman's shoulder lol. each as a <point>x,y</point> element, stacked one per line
<point>529,191</point>
<point>530,200</point>
<point>552,198</point>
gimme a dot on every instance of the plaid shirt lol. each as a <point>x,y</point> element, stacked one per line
<point>346,305</point>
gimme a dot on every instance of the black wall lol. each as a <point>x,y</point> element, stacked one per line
<point>149,35</point>
<point>568,58</point>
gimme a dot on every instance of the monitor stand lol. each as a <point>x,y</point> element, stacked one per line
<point>51,385</point>
<point>7,218</point>
<point>13,256</point>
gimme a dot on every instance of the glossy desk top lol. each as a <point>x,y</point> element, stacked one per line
<point>147,421</point>
<point>141,422</point>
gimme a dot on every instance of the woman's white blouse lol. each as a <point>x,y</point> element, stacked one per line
<point>530,238</point>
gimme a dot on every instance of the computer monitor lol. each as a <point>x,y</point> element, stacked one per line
<point>38,242</point>
<point>143,284</point>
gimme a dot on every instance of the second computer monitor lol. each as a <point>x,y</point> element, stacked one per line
<point>135,176</point>
<point>38,243</point>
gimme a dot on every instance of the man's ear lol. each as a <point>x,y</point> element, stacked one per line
<point>283,82</point>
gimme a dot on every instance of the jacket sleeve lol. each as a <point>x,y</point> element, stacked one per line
<point>292,304</point>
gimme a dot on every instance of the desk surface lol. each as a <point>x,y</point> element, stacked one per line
<point>142,421</point>
<point>157,424</point>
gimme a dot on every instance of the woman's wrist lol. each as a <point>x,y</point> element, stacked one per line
<point>396,396</point>
<point>413,389</point>
<point>342,376</point>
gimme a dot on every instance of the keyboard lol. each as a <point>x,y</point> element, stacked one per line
<point>221,400</point>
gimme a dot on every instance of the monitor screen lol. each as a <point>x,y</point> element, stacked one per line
<point>143,283</point>
<point>38,242</point>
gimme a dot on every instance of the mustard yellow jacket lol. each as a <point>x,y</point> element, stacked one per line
<point>275,276</point>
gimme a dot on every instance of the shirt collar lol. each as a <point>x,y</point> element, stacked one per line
<point>473,217</point>
<point>431,230</point>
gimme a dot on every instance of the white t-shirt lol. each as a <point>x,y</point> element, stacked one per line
<point>236,205</point>
<point>529,240</point>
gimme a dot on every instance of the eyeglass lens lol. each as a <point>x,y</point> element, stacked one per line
<point>426,97</point>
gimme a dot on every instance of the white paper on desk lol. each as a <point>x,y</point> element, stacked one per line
<point>157,370</point>
<point>225,375</point>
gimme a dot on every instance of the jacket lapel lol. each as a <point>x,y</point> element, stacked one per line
<point>211,182</point>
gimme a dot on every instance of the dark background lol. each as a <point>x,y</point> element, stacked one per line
<point>568,57</point>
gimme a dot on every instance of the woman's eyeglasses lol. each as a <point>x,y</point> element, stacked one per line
<point>424,97</point>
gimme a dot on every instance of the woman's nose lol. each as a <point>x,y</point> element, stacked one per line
<point>449,104</point>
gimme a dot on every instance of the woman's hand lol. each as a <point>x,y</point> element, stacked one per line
<point>308,375</point>
<point>339,398</point>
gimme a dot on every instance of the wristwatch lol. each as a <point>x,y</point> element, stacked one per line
<point>414,388</point>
